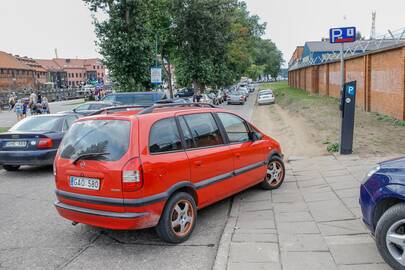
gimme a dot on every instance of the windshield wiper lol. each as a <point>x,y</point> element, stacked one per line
<point>89,155</point>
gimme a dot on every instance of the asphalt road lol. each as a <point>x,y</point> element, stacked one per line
<point>34,236</point>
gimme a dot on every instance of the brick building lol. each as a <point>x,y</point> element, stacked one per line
<point>15,74</point>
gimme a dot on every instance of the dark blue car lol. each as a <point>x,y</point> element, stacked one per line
<point>33,140</point>
<point>135,98</point>
<point>382,200</point>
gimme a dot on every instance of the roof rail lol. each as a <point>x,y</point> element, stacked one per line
<point>171,105</point>
<point>118,109</point>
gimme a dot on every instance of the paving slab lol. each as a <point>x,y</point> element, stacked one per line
<point>254,266</point>
<point>302,242</point>
<point>329,210</point>
<point>307,260</point>
<point>294,216</point>
<point>297,227</point>
<point>341,227</point>
<point>254,252</point>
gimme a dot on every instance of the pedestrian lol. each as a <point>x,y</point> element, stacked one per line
<point>45,106</point>
<point>25,107</point>
<point>18,108</point>
<point>33,97</point>
<point>11,101</point>
<point>39,98</point>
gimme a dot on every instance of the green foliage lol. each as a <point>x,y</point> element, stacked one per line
<point>333,148</point>
<point>215,42</point>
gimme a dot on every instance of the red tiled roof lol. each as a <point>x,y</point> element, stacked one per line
<point>10,62</point>
<point>49,64</point>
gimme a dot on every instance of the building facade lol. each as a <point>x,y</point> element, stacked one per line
<point>15,75</point>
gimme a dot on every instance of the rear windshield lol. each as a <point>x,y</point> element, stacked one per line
<point>265,93</point>
<point>135,99</point>
<point>39,123</point>
<point>110,137</point>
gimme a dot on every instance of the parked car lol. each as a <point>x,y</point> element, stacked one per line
<point>92,106</point>
<point>244,90</point>
<point>110,175</point>
<point>185,93</point>
<point>382,200</point>
<point>135,98</point>
<point>217,96</point>
<point>236,97</point>
<point>265,97</point>
<point>33,140</point>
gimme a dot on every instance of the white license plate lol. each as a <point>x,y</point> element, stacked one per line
<point>84,182</point>
<point>16,144</point>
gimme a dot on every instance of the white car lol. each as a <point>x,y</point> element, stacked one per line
<point>265,97</point>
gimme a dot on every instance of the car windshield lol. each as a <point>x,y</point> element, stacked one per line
<point>37,123</point>
<point>110,137</point>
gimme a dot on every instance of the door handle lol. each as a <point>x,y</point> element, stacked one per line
<point>237,155</point>
<point>198,163</point>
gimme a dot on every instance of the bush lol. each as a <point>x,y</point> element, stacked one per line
<point>333,148</point>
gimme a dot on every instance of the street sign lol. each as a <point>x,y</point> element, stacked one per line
<point>342,34</point>
<point>348,106</point>
<point>156,75</point>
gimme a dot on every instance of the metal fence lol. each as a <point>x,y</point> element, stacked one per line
<point>391,38</point>
<point>50,94</point>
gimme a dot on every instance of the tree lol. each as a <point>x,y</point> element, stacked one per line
<point>202,37</point>
<point>124,41</point>
<point>269,56</point>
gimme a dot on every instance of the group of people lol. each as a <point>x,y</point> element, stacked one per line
<point>36,104</point>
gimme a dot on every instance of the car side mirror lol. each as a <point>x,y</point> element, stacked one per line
<point>74,110</point>
<point>255,136</point>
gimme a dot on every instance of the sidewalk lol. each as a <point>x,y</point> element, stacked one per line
<point>311,222</point>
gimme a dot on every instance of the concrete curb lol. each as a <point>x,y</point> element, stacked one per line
<point>224,246</point>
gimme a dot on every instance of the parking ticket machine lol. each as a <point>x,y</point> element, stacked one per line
<point>347,108</point>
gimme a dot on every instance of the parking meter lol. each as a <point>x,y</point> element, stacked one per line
<point>347,106</point>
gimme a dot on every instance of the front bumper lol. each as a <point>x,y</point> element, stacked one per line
<point>104,219</point>
<point>35,158</point>
<point>367,205</point>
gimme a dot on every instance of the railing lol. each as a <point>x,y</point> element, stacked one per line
<point>391,38</point>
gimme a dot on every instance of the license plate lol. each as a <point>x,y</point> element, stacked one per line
<point>84,182</point>
<point>16,144</point>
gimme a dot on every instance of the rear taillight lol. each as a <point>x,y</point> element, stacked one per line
<point>241,98</point>
<point>132,175</point>
<point>45,143</point>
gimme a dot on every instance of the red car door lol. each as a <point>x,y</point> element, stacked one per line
<point>210,159</point>
<point>249,155</point>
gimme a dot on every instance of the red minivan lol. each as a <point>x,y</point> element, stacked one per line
<point>138,168</point>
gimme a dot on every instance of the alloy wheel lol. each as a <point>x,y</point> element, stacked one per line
<point>395,240</point>
<point>275,172</point>
<point>182,218</point>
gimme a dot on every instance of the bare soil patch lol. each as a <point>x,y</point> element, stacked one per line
<point>306,124</point>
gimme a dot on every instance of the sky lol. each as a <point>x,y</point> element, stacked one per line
<point>36,28</point>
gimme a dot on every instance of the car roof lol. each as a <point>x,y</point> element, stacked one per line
<point>134,93</point>
<point>53,114</point>
<point>162,112</point>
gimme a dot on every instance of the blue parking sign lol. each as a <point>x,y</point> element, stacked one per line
<point>342,34</point>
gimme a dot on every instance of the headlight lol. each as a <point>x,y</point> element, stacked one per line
<point>371,172</point>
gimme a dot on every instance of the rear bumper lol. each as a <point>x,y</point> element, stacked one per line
<point>104,219</point>
<point>267,101</point>
<point>36,158</point>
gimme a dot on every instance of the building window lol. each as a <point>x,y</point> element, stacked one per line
<point>80,75</point>
<point>102,74</point>
<point>98,67</point>
<point>77,75</point>
<point>1,71</point>
<point>94,67</point>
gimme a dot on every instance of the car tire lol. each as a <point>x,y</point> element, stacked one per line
<point>275,174</point>
<point>11,168</point>
<point>387,224</point>
<point>168,229</point>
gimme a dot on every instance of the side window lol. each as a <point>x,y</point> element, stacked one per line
<point>188,138</point>
<point>83,107</point>
<point>164,136</point>
<point>235,127</point>
<point>204,129</point>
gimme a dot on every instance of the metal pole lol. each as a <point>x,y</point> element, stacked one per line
<point>156,49</point>
<point>342,68</point>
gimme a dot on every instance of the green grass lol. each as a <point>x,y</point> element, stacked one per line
<point>389,119</point>
<point>3,129</point>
